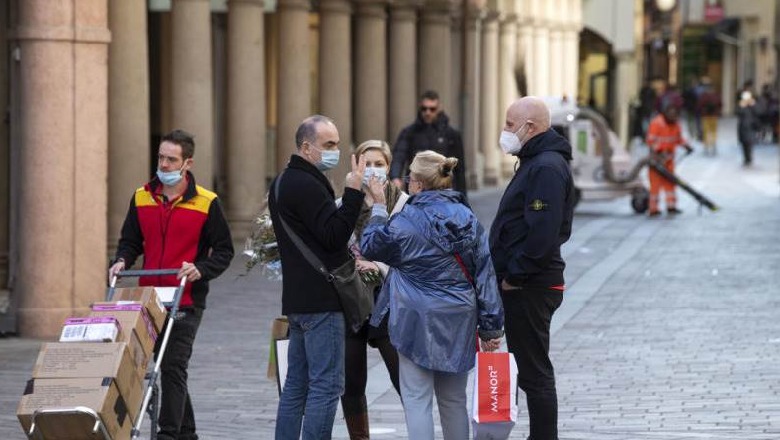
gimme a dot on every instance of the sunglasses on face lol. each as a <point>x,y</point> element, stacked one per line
<point>428,109</point>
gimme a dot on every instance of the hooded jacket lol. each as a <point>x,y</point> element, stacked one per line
<point>535,215</point>
<point>437,136</point>
<point>434,309</point>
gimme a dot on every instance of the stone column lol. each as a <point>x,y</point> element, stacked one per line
<point>370,70</point>
<point>728,91</point>
<point>335,78</point>
<point>294,86</point>
<point>403,66</point>
<point>507,85</point>
<point>625,85</point>
<point>63,161</point>
<point>191,81</point>
<point>5,160</point>
<point>556,61</point>
<point>571,49</point>
<point>245,114</point>
<point>490,126</point>
<point>455,108</point>
<point>540,62</point>
<point>435,50</point>
<point>128,109</point>
<point>471,101</point>
<point>526,42</point>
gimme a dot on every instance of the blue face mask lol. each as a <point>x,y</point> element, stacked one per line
<point>170,178</point>
<point>330,158</point>
<point>379,173</point>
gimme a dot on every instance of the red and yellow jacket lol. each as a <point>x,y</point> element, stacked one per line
<point>191,228</point>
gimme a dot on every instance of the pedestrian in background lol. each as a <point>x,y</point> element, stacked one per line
<point>430,131</point>
<point>747,126</point>
<point>176,223</point>
<point>690,98</point>
<point>663,138</point>
<point>307,203</point>
<point>534,219</point>
<point>353,403</point>
<point>440,291</point>
<point>709,107</point>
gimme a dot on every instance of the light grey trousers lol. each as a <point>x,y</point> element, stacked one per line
<point>417,388</point>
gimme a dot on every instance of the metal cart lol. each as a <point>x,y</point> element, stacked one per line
<point>150,402</point>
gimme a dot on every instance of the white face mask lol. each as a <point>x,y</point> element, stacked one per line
<point>379,173</point>
<point>510,142</point>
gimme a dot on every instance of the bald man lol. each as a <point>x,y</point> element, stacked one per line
<point>533,221</point>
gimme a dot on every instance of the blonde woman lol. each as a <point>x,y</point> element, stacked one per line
<point>440,291</point>
<point>353,403</point>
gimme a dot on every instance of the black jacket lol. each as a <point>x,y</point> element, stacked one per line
<point>439,137</point>
<point>307,203</point>
<point>535,215</point>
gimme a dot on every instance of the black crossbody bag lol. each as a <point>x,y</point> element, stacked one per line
<point>356,298</point>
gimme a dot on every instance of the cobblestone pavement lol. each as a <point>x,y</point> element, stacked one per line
<point>669,328</point>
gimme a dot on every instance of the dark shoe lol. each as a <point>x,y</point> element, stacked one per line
<point>654,213</point>
<point>673,211</point>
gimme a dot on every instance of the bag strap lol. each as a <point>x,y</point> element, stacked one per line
<point>305,250</point>
<point>465,270</point>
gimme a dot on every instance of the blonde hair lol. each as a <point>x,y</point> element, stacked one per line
<point>375,144</point>
<point>433,169</point>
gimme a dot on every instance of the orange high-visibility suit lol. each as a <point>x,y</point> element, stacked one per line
<point>662,138</point>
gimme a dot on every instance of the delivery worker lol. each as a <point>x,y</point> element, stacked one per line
<point>663,136</point>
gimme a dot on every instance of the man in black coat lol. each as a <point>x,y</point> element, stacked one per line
<point>430,131</point>
<point>533,220</point>
<point>306,202</point>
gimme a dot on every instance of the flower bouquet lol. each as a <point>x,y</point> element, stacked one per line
<point>262,250</point>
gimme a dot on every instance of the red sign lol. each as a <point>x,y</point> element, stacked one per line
<point>713,13</point>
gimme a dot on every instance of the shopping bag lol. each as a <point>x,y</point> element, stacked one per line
<point>494,408</point>
<point>279,330</point>
<point>281,346</point>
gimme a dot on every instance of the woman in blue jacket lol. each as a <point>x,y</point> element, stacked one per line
<point>440,291</point>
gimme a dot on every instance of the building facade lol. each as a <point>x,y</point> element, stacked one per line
<point>91,85</point>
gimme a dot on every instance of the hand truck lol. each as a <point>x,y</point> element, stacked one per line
<point>150,402</point>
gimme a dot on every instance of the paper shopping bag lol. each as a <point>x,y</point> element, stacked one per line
<point>494,409</point>
<point>279,330</point>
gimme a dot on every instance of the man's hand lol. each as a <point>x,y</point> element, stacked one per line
<point>190,271</point>
<point>491,345</point>
<point>119,266</point>
<point>399,183</point>
<point>507,286</point>
<point>355,178</point>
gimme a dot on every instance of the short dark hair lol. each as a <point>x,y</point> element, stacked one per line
<point>307,131</point>
<point>429,94</point>
<point>183,139</point>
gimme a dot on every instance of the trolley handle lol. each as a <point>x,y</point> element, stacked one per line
<point>144,273</point>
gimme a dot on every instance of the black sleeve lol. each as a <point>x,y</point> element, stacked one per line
<point>401,153</point>
<point>131,240</point>
<point>219,241</point>
<point>460,170</point>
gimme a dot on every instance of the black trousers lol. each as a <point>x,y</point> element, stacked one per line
<point>356,368</point>
<point>177,420</point>
<point>527,316</point>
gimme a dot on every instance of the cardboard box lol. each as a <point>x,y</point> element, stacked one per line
<point>91,329</point>
<point>138,330</point>
<point>146,296</point>
<point>65,360</point>
<point>96,393</point>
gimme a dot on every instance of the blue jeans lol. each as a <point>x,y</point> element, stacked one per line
<point>315,376</point>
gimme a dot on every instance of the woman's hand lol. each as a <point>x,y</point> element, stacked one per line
<point>491,345</point>
<point>376,190</point>
<point>366,266</point>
